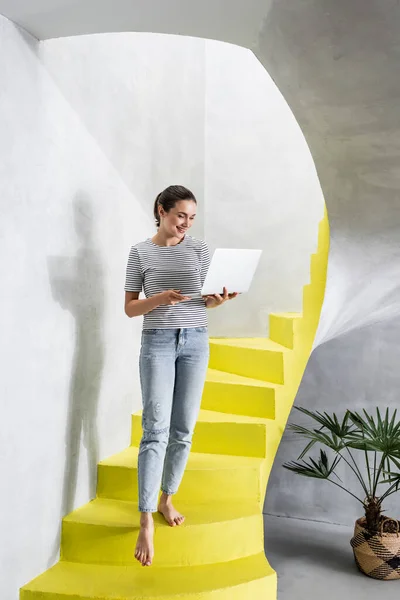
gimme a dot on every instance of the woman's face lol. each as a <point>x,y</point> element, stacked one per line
<point>179,219</point>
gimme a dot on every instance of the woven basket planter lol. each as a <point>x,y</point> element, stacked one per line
<point>378,555</point>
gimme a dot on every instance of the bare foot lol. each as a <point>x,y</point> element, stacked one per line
<point>170,514</point>
<point>144,551</point>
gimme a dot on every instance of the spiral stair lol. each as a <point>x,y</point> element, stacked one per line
<point>218,553</point>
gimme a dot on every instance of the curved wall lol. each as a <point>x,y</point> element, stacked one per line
<point>261,188</point>
<point>336,64</point>
<point>250,168</point>
<point>68,352</point>
<point>92,129</point>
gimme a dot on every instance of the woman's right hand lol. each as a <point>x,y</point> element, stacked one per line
<point>172,297</point>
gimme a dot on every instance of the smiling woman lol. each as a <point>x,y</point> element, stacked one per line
<point>167,205</point>
<point>173,359</point>
<point>170,262</point>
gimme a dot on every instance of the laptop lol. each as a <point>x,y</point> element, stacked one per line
<point>230,268</point>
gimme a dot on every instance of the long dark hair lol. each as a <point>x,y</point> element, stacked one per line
<point>169,197</point>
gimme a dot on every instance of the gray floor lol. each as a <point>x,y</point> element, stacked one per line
<point>315,561</point>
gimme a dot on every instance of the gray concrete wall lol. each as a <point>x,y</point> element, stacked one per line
<point>359,369</point>
<point>337,65</point>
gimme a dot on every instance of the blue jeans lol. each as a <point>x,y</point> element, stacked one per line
<point>172,365</point>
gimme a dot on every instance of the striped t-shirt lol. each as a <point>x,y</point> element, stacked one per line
<point>159,268</point>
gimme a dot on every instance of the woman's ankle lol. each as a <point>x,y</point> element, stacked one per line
<point>165,498</point>
<point>146,519</point>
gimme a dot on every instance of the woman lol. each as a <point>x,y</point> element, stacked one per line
<point>174,352</point>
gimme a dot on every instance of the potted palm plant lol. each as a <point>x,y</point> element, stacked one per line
<point>376,540</point>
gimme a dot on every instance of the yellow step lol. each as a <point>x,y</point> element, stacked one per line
<point>104,531</point>
<point>220,433</point>
<point>313,297</point>
<point>318,270</point>
<point>231,393</point>
<point>284,327</point>
<point>258,358</point>
<point>323,236</point>
<point>208,478</point>
<point>249,578</point>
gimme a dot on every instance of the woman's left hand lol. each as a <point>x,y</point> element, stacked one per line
<point>216,299</point>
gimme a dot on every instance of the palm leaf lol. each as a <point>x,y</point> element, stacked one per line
<point>318,469</point>
<point>307,448</point>
<point>330,422</point>
<point>392,477</point>
<point>318,435</point>
<point>375,434</point>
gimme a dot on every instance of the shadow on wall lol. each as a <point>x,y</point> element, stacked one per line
<point>77,285</point>
<point>135,79</point>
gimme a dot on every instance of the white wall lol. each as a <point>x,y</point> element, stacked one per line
<point>262,190</point>
<point>91,129</point>
<point>81,157</point>
<point>141,98</point>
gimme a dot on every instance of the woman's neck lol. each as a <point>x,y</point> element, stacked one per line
<point>161,239</point>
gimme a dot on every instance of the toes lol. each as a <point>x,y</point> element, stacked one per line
<point>172,521</point>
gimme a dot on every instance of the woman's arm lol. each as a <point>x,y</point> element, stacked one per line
<point>135,307</point>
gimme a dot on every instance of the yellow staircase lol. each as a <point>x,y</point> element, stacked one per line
<point>218,553</point>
